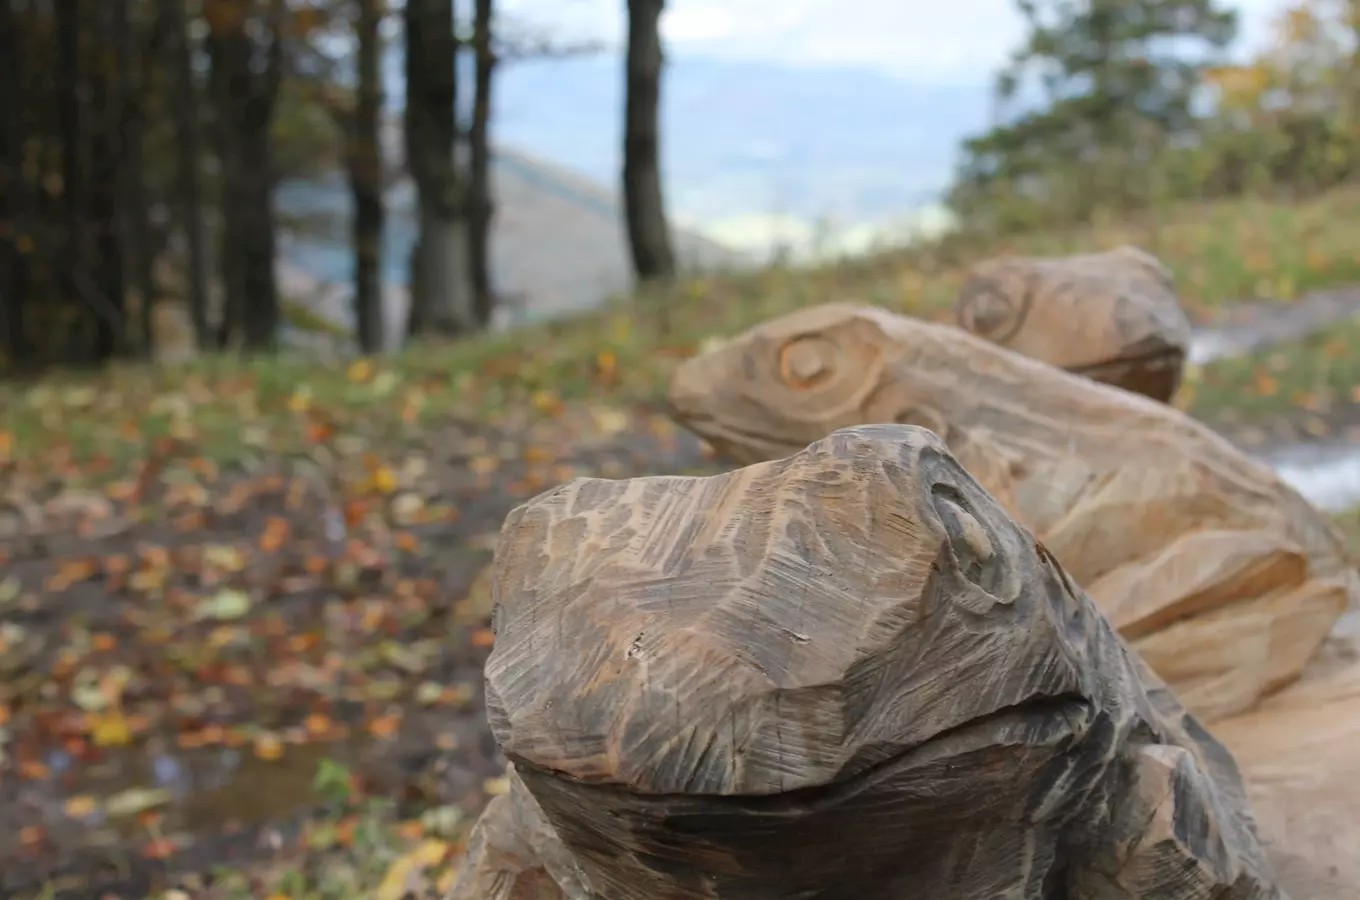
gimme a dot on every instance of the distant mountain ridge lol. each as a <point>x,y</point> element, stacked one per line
<point>753,137</point>
<point>746,137</point>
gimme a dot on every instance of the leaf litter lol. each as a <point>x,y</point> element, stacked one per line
<point>195,614</point>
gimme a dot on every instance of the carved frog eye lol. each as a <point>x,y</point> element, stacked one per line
<point>991,309</point>
<point>806,361</point>
<point>978,558</point>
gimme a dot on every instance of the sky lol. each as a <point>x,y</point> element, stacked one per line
<point>948,41</point>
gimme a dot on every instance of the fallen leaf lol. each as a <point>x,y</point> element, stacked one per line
<point>268,746</point>
<point>135,801</point>
<point>610,421</point>
<point>160,848</point>
<point>226,604</point>
<point>80,806</point>
<point>403,877</point>
<point>110,729</point>
<point>496,786</point>
<point>360,370</point>
<point>385,726</point>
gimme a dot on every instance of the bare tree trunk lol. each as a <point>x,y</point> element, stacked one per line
<point>442,297</point>
<point>13,191</point>
<point>246,81</point>
<point>644,208</point>
<point>188,147</point>
<point>142,51</point>
<point>479,160</point>
<point>107,173</point>
<point>72,140</point>
<point>365,177</point>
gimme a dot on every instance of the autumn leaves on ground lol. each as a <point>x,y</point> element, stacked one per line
<point>241,615</point>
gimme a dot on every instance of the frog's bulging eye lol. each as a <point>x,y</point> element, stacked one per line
<point>807,361</point>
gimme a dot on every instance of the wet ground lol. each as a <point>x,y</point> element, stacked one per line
<point>178,654</point>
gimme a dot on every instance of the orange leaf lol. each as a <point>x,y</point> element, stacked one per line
<point>31,835</point>
<point>317,724</point>
<point>483,637</point>
<point>275,533</point>
<point>160,848</point>
<point>34,770</point>
<point>384,726</point>
<point>268,746</point>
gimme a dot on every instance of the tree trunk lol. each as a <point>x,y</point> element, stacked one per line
<point>14,238</point>
<point>365,177</point>
<point>245,80</point>
<point>648,233</point>
<point>442,297</point>
<point>479,161</point>
<point>137,60</point>
<point>68,83</point>
<point>188,151</point>
<point>109,174</point>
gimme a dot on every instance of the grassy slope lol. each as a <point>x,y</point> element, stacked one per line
<point>1220,252</point>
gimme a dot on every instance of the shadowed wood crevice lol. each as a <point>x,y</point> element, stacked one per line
<point>1224,577</point>
<point>848,673</point>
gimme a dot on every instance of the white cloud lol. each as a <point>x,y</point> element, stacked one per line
<point>947,40</point>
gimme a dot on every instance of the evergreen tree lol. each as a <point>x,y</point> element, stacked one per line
<point>1118,81</point>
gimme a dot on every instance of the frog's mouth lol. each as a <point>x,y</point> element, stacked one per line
<point>744,446</point>
<point>1156,373</point>
<point>727,846</point>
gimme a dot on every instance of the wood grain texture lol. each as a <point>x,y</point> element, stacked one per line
<point>849,673</point>
<point>1300,754</point>
<point>1223,577</point>
<point>1112,316</point>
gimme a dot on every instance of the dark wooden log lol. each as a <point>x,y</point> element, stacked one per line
<point>848,673</point>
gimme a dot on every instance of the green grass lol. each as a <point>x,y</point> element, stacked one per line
<point>1349,523</point>
<point>1312,382</point>
<point>225,407</point>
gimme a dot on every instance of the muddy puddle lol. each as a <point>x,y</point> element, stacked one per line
<point>102,827</point>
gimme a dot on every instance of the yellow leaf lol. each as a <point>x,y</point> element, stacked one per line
<point>384,480</point>
<point>360,370</point>
<point>402,878</point>
<point>110,729</point>
<point>80,806</point>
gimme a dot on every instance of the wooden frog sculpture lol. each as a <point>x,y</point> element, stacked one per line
<point>1223,577</point>
<point>848,673</point>
<point>1113,317</point>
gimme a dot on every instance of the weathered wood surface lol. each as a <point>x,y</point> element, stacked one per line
<point>1300,755</point>
<point>844,674</point>
<point>1223,577</point>
<point>1112,316</point>
<point>514,854</point>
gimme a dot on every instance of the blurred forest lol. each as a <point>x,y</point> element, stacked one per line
<point>143,140</point>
